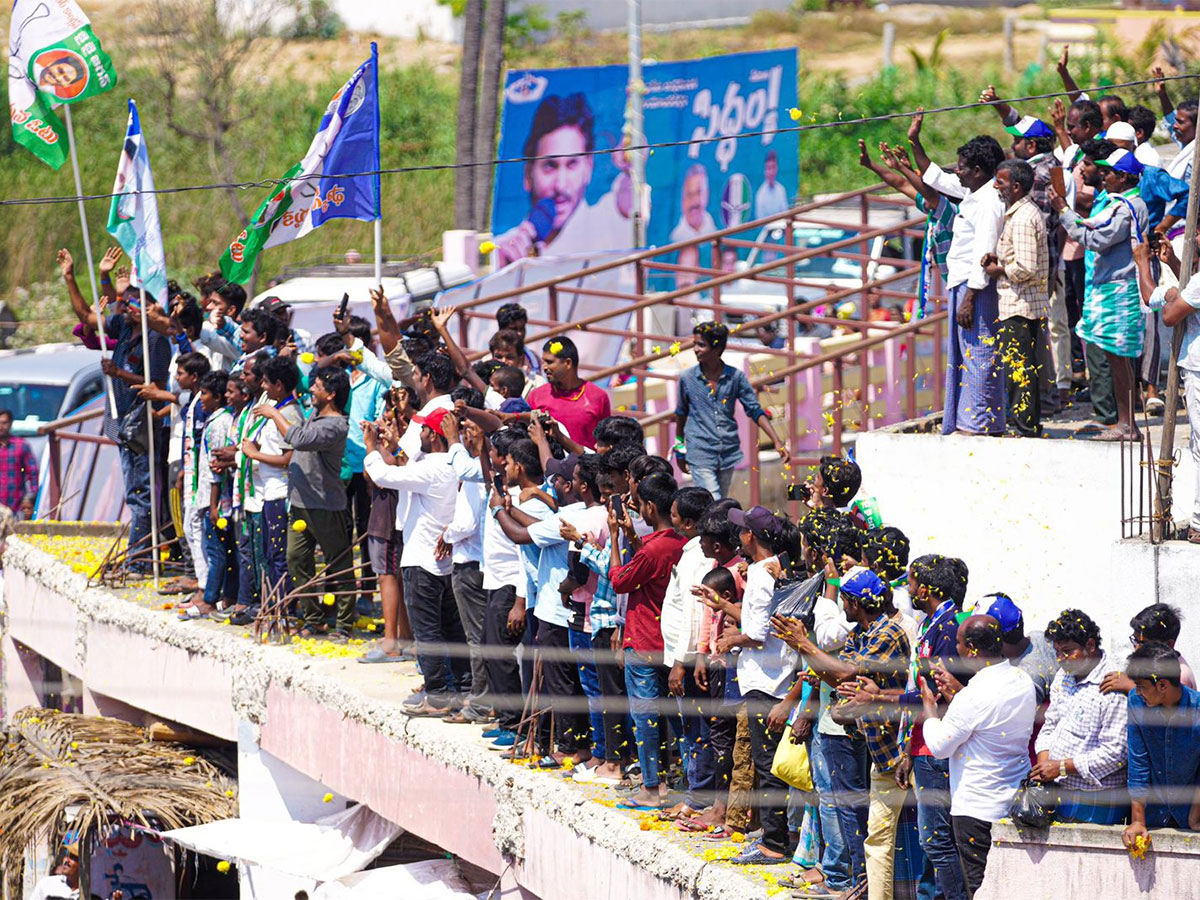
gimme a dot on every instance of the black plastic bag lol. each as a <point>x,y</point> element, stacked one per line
<point>1033,806</point>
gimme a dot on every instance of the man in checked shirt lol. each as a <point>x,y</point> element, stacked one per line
<point>1082,748</point>
<point>1021,267</point>
<point>18,470</point>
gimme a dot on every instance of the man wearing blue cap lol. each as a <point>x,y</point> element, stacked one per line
<point>1031,653</point>
<point>878,650</point>
<point>1111,325</point>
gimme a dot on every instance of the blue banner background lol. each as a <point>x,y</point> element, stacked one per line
<point>720,96</point>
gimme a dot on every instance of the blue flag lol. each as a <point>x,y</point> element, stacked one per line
<point>133,216</point>
<point>316,190</point>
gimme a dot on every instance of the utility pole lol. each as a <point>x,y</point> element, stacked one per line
<point>637,136</point>
<point>1163,523</point>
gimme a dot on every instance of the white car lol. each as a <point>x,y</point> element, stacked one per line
<point>818,273</point>
<point>315,293</point>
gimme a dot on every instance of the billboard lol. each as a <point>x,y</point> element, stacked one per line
<point>571,201</point>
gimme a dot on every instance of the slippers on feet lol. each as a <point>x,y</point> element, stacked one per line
<point>629,804</point>
<point>375,655</point>
<point>692,826</point>
<point>754,856</point>
<point>720,833</point>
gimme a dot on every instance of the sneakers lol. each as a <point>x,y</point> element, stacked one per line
<point>492,733</point>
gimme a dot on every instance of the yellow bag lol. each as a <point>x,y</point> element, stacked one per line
<point>791,763</point>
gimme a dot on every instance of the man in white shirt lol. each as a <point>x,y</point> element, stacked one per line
<point>975,384</point>
<point>503,581</point>
<point>694,219</point>
<point>985,735</point>
<point>462,541</point>
<point>771,198</point>
<point>428,496</point>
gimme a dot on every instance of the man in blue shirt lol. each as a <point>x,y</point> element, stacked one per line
<point>1164,745</point>
<point>706,434</point>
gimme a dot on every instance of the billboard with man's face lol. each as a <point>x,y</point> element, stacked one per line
<point>566,198</point>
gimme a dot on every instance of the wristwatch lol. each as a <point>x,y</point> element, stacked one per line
<point>1062,768</point>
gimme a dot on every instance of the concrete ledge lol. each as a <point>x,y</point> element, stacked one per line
<point>343,727</point>
<point>1077,861</point>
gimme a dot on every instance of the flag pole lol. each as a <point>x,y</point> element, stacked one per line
<point>376,178</point>
<point>87,249</point>
<point>150,441</point>
<point>379,250</point>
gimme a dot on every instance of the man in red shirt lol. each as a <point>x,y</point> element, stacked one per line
<point>572,402</point>
<point>644,578</point>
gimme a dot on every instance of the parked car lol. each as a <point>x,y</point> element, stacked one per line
<point>821,273</point>
<point>41,384</point>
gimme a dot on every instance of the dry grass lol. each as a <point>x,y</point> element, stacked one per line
<point>106,768</point>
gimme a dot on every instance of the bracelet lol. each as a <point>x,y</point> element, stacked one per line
<point>1062,768</point>
<point>104,279</point>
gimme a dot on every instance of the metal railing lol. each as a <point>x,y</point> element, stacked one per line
<point>820,393</point>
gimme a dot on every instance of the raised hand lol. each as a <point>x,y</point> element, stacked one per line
<point>988,95</point>
<point>914,126</point>
<point>439,317</point>
<point>109,260</point>
<point>1064,59</point>
<point>66,262</point>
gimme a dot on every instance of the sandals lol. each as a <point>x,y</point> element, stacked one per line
<point>309,631</point>
<point>692,826</point>
<point>754,856</point>
<point>720,833</point>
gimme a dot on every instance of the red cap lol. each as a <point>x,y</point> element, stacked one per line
<point>434,419</point>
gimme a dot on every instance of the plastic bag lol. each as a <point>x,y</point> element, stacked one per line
<point>791,764</point>
<point>1033,805</point>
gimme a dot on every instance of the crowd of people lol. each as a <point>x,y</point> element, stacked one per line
<point>1061,255</point>
<point>559,586</point>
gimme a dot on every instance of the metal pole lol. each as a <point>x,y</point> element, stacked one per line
<point>87,249</point>
<point>379,251</point>
<point>637,136</point>
<point>154,556</point>
<point>889,43</point>
<point>1010,52</point>
<point>1163,524</point>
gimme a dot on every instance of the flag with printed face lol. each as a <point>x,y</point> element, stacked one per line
<point>133,216</point>
<point>53,58</point>
<point>316,189</point>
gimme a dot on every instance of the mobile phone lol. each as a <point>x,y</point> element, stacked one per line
<point>785,562</point>
<point>341,313</point>
<point>498,483</point>
<point>616,503</point>
<point>799,492</point>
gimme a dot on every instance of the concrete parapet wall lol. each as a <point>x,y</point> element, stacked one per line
<point>1088,861</point>
<point>436,781</point>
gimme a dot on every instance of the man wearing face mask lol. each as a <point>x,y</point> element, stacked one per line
<point>974,380</point>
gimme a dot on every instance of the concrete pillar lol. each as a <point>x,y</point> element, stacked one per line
<point>270,790</point>
<point>460,247</point>
<point>23,678</point>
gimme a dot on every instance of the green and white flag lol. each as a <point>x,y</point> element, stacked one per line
<point>53,58</point>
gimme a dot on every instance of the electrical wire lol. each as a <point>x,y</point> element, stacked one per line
<point>443,167</point>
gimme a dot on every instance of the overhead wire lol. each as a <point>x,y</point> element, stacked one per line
<point>442,167</point>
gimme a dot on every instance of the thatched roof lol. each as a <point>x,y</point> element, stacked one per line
<point>107,768</point>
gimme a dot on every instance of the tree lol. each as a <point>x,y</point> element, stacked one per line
<point>464,153</point>
<point>202,54</point>
<point>489,104</point>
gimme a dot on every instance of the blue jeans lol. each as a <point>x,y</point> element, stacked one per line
<point>692,726</point>
<point>135,470</point>
<point>835,861</point>
<point>849,773</point>
<point>931,779</point>
<point>274,535</point>
<point>247,534</point>
<point>219,550</point>
<point>715,481</point>
<point>646,685</point>
<point>589,680</point>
